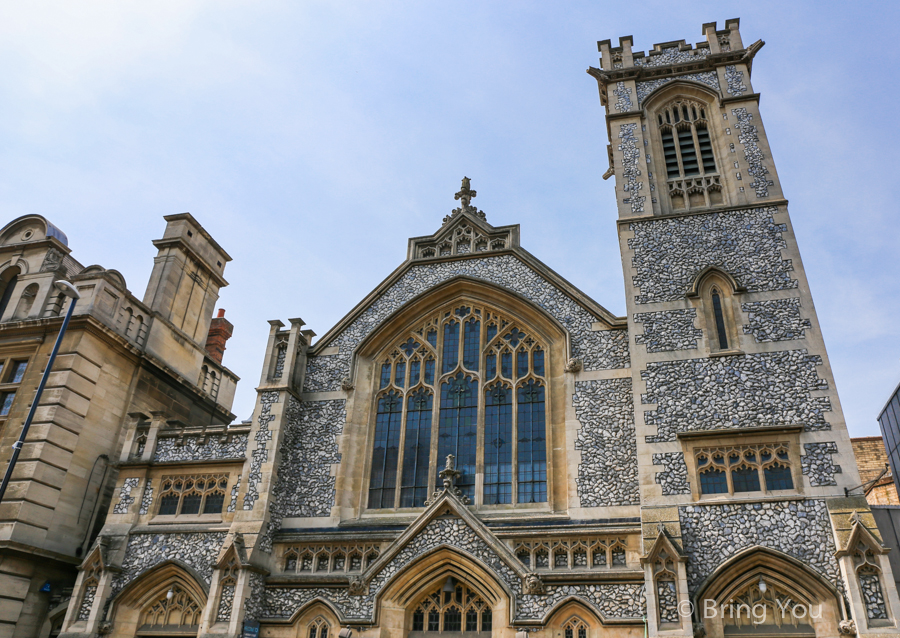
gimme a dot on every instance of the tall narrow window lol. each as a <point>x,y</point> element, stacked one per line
<point>498,445</point>
<point>451,346</point>
<point>532,456</point>
<point>720,320</point>
<point>458,429</point>
<point>383,480</point>
<point>472,344</point>
<point>416,450</point>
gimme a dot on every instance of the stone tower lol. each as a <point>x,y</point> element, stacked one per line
<point>728,364</point>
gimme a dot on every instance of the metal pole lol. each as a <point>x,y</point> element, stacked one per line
<point>69,290</point>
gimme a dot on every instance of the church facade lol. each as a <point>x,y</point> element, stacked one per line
<point>479,448</point>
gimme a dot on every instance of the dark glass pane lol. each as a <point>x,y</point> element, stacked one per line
<point>418,620</point>
<point>532,453</point>
<point>385,376</point>
<point>569,632</point>
<point>7,398</point>
<point>416,450</point>
<point>432,337</point>
<point>190,504</point>
<point>400,374</point>
<point>582,632</point>
<point>521,364</point>
<point>669,154</point>
<point>451,346</point>
<point>385,452</point>
<point>312,631</point>
<point>778,477</point>
<point>214,502</point>
<point>538,362</point>
<point>452,620</point>
<point>472,344</point>
<point>168,505</point>
<point>688,152</point>
<point>457,429</point>
<point>713,482</point>
<point>720,321</point>
<point>18,371</point>
<point>506,365</point>
<point>429,372</point>
<point>498,445</point>
<point>323,631</point>
<point>490,366</point>
<point>414,368</point>
<point>434,620</point>
<point>745,479</point>
<point>491,332</point>
<point>472,620</point>
<point>487,620</point>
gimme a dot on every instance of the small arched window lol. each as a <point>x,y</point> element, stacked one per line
<point>26,301</point>
<point>575,628</point>
<point>318,628</point>
<point>8,281</point>
<point>713,293</point>
<point>721,332</point>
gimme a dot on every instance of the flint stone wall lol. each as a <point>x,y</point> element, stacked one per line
<point>770,388</point>
<point>607,472</point>
<point>599,350</point>
<point>669,253</point>
<point>712,534</point>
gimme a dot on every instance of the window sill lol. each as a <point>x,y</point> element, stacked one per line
<point>752,497</point>
<point>725,353</point>
<point>185,518</point>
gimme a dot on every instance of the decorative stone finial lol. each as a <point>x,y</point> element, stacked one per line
<point>465,195</point>
<point>449,475</point>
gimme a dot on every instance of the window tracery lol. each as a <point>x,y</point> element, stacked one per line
<point>192,494</point>
<point>173,608</point>
<point>580,554</point>
<point>318,628</point>
<point>575,628</point>
<point>469,381</point>
<point>744,468</point>
<point>454,608</point>
<point>693,180</point>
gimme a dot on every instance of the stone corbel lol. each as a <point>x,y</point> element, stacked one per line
<point>574,365</point>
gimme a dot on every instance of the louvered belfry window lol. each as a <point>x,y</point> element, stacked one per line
<point>687,147</point>
<point>468,381</point>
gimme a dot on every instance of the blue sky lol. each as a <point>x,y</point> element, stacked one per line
<point>311,139</point>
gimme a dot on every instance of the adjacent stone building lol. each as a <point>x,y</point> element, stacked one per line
<point>125,363</point>
<point>874,470</point>
<point>479,448</point>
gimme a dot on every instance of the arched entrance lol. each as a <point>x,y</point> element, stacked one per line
<point>165,603</point>
<point>445,594</point>
<point>762,592</point>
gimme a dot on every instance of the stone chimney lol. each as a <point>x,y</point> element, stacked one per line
<point>220,330</point>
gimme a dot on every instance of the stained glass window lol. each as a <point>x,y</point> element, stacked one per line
<point>498,445</point>
<point>451,346</point>
<point>416,450</point>
<point>458,428</point>
<point>472,344</point>
<point>532,444</point>
<point>383,480</point>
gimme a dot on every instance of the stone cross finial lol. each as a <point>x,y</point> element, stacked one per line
<point>465,193</point>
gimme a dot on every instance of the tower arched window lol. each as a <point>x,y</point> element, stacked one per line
<point>690,163</point>
<point>8,280</point>
<point>468,381</point>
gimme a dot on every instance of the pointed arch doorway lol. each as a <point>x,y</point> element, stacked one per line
<point>451,610</point>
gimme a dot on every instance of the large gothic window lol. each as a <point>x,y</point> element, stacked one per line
<point>468,381</point>
<point>453,608</point>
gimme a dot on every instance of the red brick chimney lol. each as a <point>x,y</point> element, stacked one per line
<point>220,330</point>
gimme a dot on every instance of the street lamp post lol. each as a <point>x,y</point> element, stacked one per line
<point>69,291</point>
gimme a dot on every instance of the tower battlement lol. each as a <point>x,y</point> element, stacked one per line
<point>718,41</point>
